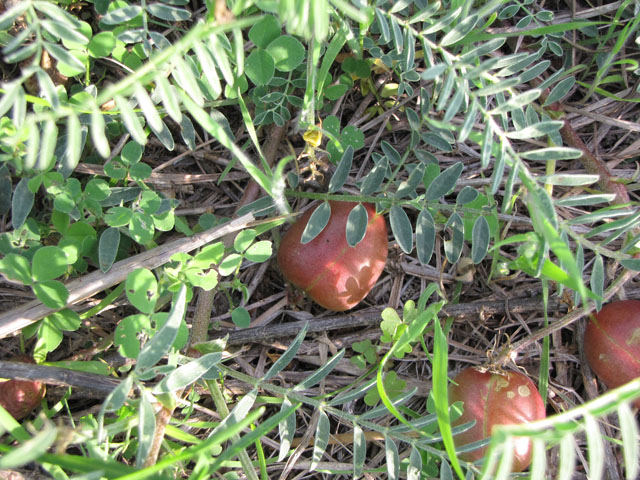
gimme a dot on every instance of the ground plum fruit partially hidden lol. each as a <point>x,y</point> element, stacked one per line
<point>334,274</point>
<point>20,397</point>
<point>612,343</point>
<point>495,399</point>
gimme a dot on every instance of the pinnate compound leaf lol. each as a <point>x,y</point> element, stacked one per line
<point>98,133</point>
<point>64,57</point>
<point>163,340</point>
<point>318,220</point>
<point>595,446</point>
<point>537,130</point>
<point>130,119</point>
<point>116,398</point>
<point>567,457</point>
<point>453,247</point>
<point>552,153</point>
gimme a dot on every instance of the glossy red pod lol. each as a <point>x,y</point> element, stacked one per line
<point>20,397</point>
<point>334,274</point>
<point>612,343</point>
<point>495,399</point>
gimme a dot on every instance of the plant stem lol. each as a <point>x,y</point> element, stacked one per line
<point>223,410</point>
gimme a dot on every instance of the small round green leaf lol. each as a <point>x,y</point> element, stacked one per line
<point>244,239</point>
<point>49,263</point>
<point>205,280</point>
<point>141,228</point>
<point>52,293</point>
<point>259,67</point>
<point>209,255</point>
<point>115,169</point>
<point>142,289</point>
<point>66,320</point>
<point>241,317</point>
<point>230,264</point>
<point>287,52</point>
<point>97,189</point>
<point>265,31</point>
<point>131,153</point>
<point>102,44</point>
<point>118,216</point>
<point>126,334</point>
<point>259,252</point>
<point>140,171</point>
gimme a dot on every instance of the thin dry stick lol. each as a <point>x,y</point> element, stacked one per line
<point>95,282</point>
<point>98,384</point>
<point>370,317</point>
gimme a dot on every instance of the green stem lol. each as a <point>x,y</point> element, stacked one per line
<point>223,410</point>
